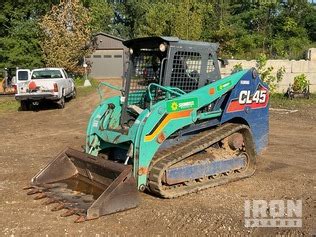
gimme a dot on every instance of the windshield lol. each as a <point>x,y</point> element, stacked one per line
<point>46,74</point>
<point>144,69</point>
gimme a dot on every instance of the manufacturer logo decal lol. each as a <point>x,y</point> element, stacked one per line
<point>243,82</point>
<point>184,104</point>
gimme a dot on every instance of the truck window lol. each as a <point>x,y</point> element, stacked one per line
<point>23,75</point>
<point>65,73</point>
<point>46,74</point>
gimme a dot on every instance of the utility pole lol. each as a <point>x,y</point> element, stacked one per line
<point>86,81</point>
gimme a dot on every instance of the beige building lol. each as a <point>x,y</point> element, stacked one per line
<point>293,68</point>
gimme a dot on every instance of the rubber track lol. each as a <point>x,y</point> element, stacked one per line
<point>168,157</point>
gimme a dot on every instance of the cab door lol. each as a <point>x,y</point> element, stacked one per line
<point>68,83</point>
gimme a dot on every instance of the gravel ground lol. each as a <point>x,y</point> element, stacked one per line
<point>286,170</point>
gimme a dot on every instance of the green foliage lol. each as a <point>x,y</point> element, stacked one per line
<point>280,74</point>
<point>19,33</point>
<point>130,17</point>
<point>79,81</point>
<point>158,20</point>
<point>188,19</point>
<point>183,19</point>
<point>244,29</point>
<point>237,68</point>
<point>310,24</point>
<point>101,15</point>
<point>300,83</point>
<point>265,73</point>
<point>247,29</point>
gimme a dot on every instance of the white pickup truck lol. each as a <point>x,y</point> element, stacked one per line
<point>45,84</point>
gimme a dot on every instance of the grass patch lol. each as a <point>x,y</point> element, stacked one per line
<point>79,81</point>
<point>87,90</point>
<point>277,100</point>
<point>84,91</point>
<point>8,104</point>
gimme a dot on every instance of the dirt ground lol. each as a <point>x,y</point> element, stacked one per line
<point>286,170</point>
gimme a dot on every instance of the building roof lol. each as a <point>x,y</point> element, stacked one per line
<point>110,36</point>
<point>151,42</point>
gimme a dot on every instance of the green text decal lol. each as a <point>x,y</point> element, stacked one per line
<point>184,104</point>
<point>224,85</point>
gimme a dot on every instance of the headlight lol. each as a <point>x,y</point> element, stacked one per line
<point>162,47</point>
<point>131,51</point>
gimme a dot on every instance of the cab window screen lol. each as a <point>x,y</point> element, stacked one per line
<point>186,70</point>
<point>210,64</point>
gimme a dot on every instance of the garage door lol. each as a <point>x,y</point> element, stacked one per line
<point>106,63</point>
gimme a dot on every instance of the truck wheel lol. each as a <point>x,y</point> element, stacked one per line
<point>74,94</point>
<point>25,105</point>
<point>61,103</point>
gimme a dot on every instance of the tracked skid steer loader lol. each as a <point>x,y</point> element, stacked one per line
<point>176,128</point>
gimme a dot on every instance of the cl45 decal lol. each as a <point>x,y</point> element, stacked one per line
<point>245,97</point>
<point>257,100</point>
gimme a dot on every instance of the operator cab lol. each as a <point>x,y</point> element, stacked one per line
<point>157,63</point>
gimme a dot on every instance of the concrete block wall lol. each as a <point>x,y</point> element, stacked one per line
<point>293,68</point>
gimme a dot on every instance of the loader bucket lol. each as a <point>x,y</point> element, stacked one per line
<point>85,185</point>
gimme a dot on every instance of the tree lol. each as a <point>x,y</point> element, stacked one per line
<point>249,28</point>
<point>19,33</point>
<point>158,20</point>
<point>182,19</point>
<point>188,19</point>
<point>310,24</point>
<point>21,47</point>
<point>134,15</point>
<point>101,14</point>
<point>66,35</point>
